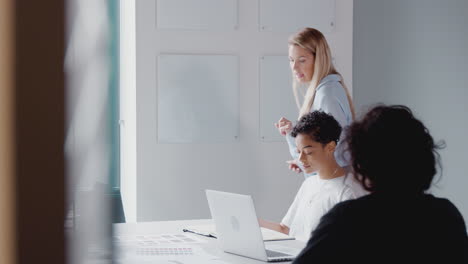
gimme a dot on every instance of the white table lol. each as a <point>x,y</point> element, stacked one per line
<point>211,247</point>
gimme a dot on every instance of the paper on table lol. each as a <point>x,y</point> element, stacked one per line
<point>210,230</point>
<point>158,239</point>
<point>159,254</point>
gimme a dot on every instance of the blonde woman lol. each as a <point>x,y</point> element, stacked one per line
<point>312,67</point>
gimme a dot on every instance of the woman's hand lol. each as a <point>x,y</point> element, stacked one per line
<point>284,126</point>
<point>293,166</point>
<point>273,226</point>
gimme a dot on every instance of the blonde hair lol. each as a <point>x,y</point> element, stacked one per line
<point>314,41</point>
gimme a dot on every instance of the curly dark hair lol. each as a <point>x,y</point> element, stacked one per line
<point>320,126</point>
<point>393,151</point>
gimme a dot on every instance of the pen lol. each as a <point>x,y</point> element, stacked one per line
<point>190,231</point>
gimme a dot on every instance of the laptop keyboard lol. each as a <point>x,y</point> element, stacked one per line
<point>275,254</point>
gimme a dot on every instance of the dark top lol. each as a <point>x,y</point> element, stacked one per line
<point>380,228</point>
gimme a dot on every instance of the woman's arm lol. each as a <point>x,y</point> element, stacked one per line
<point>274,226</point>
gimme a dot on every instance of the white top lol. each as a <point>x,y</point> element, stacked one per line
<point>314,199</point>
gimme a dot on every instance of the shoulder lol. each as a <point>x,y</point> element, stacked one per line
<point>353,204</point>
<point>441,205</point>
<point>331,97</point>
<point>330,85</point>
<point>345,188</point>
<point>351,208</point>
<point>367,203</point>
<point>342,215</point>
<point>352,189</point>
<point>444,207</point>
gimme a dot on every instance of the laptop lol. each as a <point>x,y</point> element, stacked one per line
<point>238,229</point>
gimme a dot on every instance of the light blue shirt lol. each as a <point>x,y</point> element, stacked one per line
<point>331,98</point>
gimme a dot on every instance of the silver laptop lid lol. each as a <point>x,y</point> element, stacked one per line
<point>237,226</point>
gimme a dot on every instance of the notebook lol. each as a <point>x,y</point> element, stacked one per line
<point>238,229</point>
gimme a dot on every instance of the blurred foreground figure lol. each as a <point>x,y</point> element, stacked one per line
<point>395,158</point>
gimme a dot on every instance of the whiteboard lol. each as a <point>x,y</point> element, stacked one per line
<point>198,98</point>
<point>276,96</point>
<point>275,15</point>
<point>197,15</point>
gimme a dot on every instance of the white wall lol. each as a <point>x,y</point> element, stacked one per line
<point>171,178</point>
<point>415,53</point>
<point>128,179</point>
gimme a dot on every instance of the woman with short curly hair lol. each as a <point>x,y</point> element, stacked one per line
<point>394,157</point>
